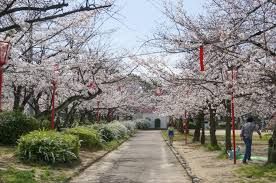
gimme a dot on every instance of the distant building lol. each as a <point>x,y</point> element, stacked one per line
<point>156,121</point>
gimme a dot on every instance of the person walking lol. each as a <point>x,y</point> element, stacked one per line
<point>246,135</point>
<point>170,133</point>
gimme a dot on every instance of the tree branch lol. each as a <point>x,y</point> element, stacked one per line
<point>67,13</point>
<point>43,9</point>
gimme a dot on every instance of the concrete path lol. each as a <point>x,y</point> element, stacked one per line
<point>144,158</point>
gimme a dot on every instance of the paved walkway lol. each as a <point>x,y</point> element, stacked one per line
<point>145,158</point>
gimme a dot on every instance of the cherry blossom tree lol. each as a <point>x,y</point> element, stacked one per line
<point>235,35</point>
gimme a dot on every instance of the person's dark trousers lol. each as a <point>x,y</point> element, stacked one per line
<point>248,144</point>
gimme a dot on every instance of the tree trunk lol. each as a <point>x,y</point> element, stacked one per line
<point>187,125</point>
<point>82,116</point>
<point>228,143</point>
<point>198,121</point>
<point>202,139</point>
<point>213,138</point>
<point>110,112</point>
<point>180,123</point>
<point>272,149</point>
<point>17,97</point>
<point>90,116</point>
<point>69,117</point>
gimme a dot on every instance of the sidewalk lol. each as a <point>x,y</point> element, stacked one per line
<point>145,158</point>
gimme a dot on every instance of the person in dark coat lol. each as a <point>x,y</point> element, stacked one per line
<point>246,135</point>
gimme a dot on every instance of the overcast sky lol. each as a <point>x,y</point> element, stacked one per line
<point>137,20</point>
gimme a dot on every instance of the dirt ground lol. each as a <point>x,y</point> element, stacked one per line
<point>206,165</point>
<point>210,168</point>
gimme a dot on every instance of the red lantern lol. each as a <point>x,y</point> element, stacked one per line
<point>92,85</point>
<point>4,51</point>
<point>201,55</point>
<point>158,91</point>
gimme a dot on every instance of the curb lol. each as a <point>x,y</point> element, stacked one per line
<point>79,171</point>
<point>183,163</point>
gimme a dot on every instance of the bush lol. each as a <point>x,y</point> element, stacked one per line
<point>106,133</point>
<point>48,146</point>
<point>221,126</point>
<point>45,124</point>
<point>96,126</point>
<point>119,130</point>
<point>89,137</point>
<point>114,130</point>
<point>192,126</point>
<point>142,124</point>
<point>15,124</point>
<point>130,125</point>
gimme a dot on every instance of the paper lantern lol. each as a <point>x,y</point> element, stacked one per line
<point>201,55</point>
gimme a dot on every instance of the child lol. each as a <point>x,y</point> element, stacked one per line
<point>170,133</point>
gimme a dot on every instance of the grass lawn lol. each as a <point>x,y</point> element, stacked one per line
<point>17,176</point>
<point>257,173</point>
<point>177,136</point>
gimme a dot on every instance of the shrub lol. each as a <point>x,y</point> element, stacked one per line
<point>106,133</point>
<point>192,126</point>
<point>45,124</point>
<point>114,130</point>
<point>15,124</point>
<point>142,124</point>
<point>48,146</point>
<point>96,126</point>
<point>89,137</point>
<point>118,129</point>
<point>130,125</point>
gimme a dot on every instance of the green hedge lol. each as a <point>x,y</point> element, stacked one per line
<point>130,125</point>
<point>192,126</point>
<point>15,124</point>
<point>142,124</point>
<point>89,137</point>
<point>118,129</point>
<point>48,146</point>
<point>105,132</point>
<point>115,130</point>
<point>45,124</point>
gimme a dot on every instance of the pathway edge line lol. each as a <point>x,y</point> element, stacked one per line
<point>184,163</point>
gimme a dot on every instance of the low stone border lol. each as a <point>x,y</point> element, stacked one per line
<point>183,163</point>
